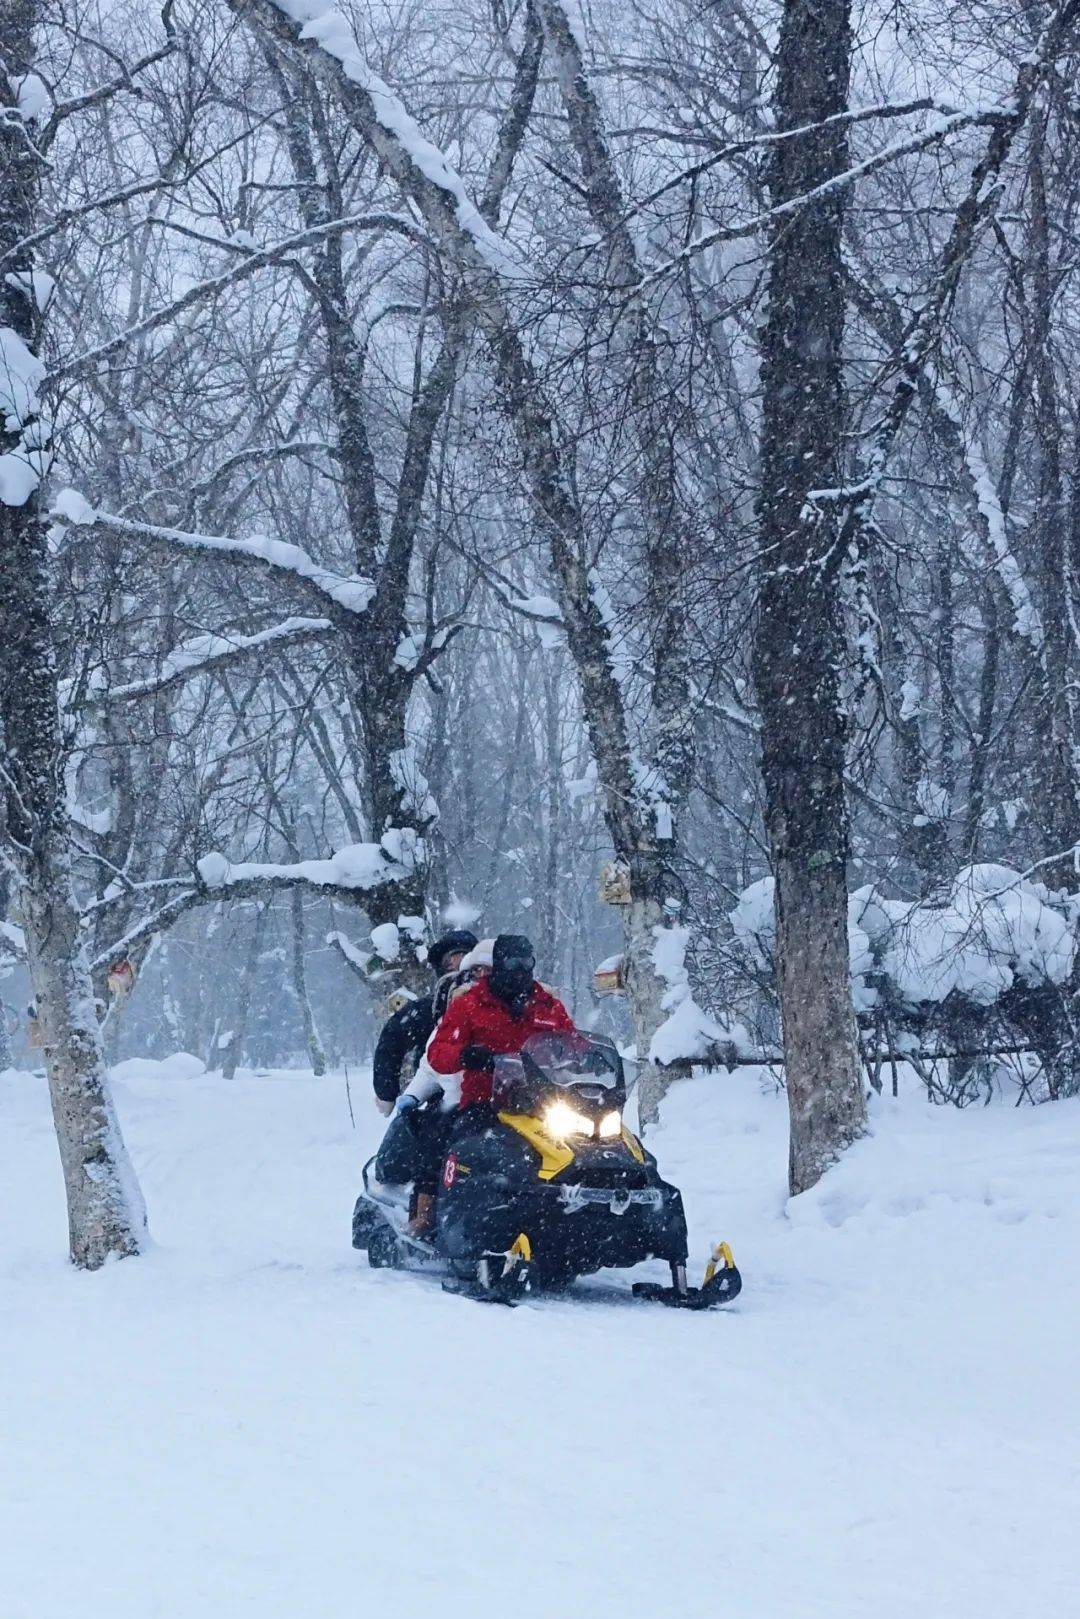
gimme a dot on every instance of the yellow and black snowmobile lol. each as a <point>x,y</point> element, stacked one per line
<point>547,1185</point>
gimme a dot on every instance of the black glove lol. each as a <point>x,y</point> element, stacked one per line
<point>477,1057</point>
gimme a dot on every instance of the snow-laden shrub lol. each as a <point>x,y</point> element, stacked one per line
<point>991,929</point>
<point>688,1033</point>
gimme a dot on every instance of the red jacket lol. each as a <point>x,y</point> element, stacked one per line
<point>479,1018</point>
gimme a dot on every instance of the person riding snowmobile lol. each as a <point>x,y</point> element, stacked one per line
<point>426,1085</point>
<point>407,1032</point>
<point>414,1154</point>
<point>495,1017</point>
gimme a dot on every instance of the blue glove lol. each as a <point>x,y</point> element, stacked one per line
<point>406,1103</point>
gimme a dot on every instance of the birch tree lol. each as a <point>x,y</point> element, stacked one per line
<point>105,1215</point>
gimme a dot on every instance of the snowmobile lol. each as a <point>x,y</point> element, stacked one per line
<point>547,1186</point>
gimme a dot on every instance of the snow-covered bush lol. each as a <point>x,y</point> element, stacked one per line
<point>688,1034</point>
<point>991,929</point>
<point>979,970</point>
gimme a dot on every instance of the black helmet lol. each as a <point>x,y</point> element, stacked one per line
<point>513,952</point>
<point>460,941</point>
<point>513,962</point>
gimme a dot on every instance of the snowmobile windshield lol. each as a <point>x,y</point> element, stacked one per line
<point>579,1061</point>
<point>586,1064</point>
<point>509,1084</point>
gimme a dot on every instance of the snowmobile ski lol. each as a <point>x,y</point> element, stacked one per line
<point>498,1278</point>
<point>721,1283</point>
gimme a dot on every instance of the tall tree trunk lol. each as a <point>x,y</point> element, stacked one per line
<point>549,850</point>
<point>5,902</point>
<point>235,1048</point>
<point>299,947</point>
<point>1056,1022</point>
<point>939,806</point>
<point>1058,768</point>
<point>669,741</point>
<point>105,1213</point>
<point>799,641</point>
<point>981,760</point>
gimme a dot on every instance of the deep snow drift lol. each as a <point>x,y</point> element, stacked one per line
<point>249,1422</point>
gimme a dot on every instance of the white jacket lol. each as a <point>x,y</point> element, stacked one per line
<point>426,1083</point>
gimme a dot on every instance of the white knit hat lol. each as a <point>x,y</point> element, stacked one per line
<point>479,956</point>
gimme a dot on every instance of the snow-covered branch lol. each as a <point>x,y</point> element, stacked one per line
<point>147,927</point>
<point>206,654</point>
<point>939,130</point>
<point>775,137</point>
<point>338,593</point>
<point>327,43</point>
<point>251,261</point>
<point>358,868</point>
<point>353,958</point>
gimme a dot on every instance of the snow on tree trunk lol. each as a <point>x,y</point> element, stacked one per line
<point>669,761</point>
<point>106,1218</point>
<point>645,994</point>
<point>799,641</point>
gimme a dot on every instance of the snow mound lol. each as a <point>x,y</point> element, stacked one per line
<point>74,508</point>
<point>386,941</point>
<point>180,1066</point>
<point>23,467</point>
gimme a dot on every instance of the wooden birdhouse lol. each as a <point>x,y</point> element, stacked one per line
<point>615,882</point>
<point>121,979</point>
<point>610,977</point>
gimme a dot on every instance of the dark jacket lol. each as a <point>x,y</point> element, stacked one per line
<point>403,1035</point>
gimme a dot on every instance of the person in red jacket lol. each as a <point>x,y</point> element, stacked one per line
<point>494,1019</point>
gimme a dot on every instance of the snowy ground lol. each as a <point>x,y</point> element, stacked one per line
<point>248,1422</point>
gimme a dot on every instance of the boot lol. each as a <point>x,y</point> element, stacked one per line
<point>423,1215</point>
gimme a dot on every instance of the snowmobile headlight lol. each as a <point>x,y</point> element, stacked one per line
<point>562,1121</point>
<point>611,1125</point>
